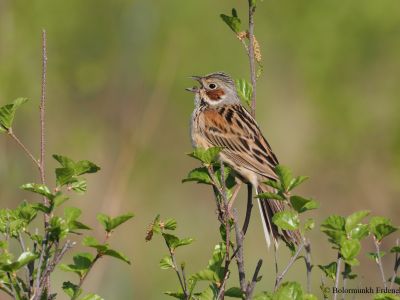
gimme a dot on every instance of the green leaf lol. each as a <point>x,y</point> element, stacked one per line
<point>296,182</point>
<point>347,272</point>
<point>92,297</point>
<point>285,176</point>
<point>301,204</point>
<point>233,21</point>
<point>79,186</point>
<point>72,213</point>
<point>199,175</point>
<point>24,259</point>
<point>64,176</point>
<point>329,270</point>
<point>7,113</point>
<point>183,242</point>
<point>207,156</point>
<point>170,224</point>
<point>381,227</point>
<point>166,263</point>
<point>271,196</point>
<point>205,275</point>
<point>116,254</point>
<point>171,240</point>
<point>273,183</point>
<point>289,291</point>
<point>354,219</point>
<point>286,220</point>
<point>385,296</point>
<point>72,290</point>
<point>309,224</point>
<point>58,228</point>
<point>64,161</point>
<point>234,292</point>
<point>59,199</point>
<point>359,232</point>
<point>38,189</point>
<point>309,297</point>
<point>177,295</point>
<point>104,220</point>
<point>245,90</point>
<point>334,228</point>
<point>349,250</point>
<point>117,221</point>
<point>90,241</point>
<point>374,255</point>
<point>85,167</point>
<point>263,296</point>
<point>395,249</point>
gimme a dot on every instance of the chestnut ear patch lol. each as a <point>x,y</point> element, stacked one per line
<point>215,95</point>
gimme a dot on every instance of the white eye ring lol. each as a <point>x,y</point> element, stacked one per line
<point>212,86</point>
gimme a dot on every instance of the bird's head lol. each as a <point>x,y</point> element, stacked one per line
<point>215,89</point>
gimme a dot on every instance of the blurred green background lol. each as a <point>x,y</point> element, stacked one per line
<point>328,102</point>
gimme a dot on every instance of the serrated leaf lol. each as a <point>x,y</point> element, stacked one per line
<point>199,175</point>
<point>374,255</point>
<point>349,250</point>
<point>296,182</point>
<point>359,232</point>
<point>301,204</point>
<point>79,186</point>
<point>285,176</point>
<point>354,219</point>
<point>234,292</point>
<point>65,176</point>
<point>119,220</point>
<point>116,254</point>
<point>233,21</point>
<point>183,242</point>
<point>286,220</point>
<point>38,189</point>
<point>395,249</point>
<point>381,227</point>
<point>333,227</point>
<point>268,195</point>
<point>309,224</point>
<point>90,241</point>
<point>177,295</point>
<point>7,113</point>
<point>207,156</point>
<point>245,90</point>
<point>263,296</point>
<point>72,213</point>
<point>166,263</point>
<point>171,240</point>
<point>206,275</point>
<point>273,183</point>
<point>329,270</point>
<point>72,290</point>
<point>170,224</point>
<point>289,291</point>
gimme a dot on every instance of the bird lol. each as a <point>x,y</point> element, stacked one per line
<point>220,120</point>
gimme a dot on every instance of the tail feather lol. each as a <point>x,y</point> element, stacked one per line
<point>268,208</point>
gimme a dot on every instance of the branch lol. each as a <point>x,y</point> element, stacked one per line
<point>307,248</point>
<point>239,253</point>
<point>338,263</point>
<point>252,284</point>
<point>252,9</point>
<point>291,262</point>
<point>23,147</point>
<point>379,262</point>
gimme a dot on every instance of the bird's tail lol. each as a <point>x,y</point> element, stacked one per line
<point>268,208</point>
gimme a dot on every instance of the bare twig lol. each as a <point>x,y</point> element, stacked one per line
<point>23,147</point>
<point>252,9</point>
<point>239,253</point>
<point>289,265</point>
<point>252,284</point>
<point>222,287</point>
<point>338,265</point>
<point>379,262</point>
<point>396,266</point>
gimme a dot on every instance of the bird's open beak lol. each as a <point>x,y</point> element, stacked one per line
<point>194,89</point>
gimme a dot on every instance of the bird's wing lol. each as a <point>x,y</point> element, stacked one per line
<point>234,129</point>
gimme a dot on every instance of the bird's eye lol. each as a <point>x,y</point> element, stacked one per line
<point>212,86</point>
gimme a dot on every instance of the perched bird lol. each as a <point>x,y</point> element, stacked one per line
<point>219,120</point>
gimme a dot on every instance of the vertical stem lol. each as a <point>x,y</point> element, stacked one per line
<point>42,116</point>
<point>338,265</point>
<point>252,9</point>
<point>396,266</point>
<point>379,262</point>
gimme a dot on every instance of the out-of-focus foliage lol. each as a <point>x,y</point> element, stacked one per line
<point>328,103</point>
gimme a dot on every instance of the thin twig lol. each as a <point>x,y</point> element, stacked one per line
<point>252,284</point>
<point>379,262</point>
<point>28,275</point>
<point>14,293</point>
<point>291,261</point>
<point>239,253</point>
<point>252,9</point>
<point>338,264</point>
<point>23,147</point>
<point>222,287</point>
<point>396,266</point>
